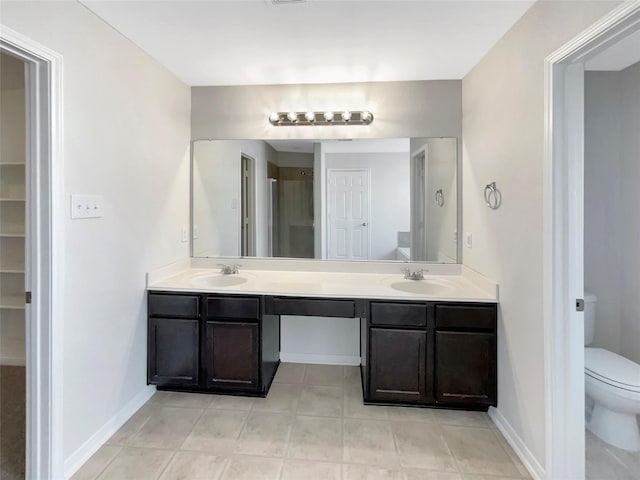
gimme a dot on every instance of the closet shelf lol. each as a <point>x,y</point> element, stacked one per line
<point>12,302</point>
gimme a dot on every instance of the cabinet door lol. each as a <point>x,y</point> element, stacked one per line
<point>232,355</point>
<point>465,368</point>
<point>398,365</point>
<point>174,351</point>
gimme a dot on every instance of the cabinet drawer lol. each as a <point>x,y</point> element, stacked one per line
<point>173,305</point>
<point>466,316</point>
<point>313,307</point>
<point>233,307</point>
<point>399,314</point>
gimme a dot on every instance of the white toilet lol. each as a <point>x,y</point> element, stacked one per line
<point>613,384</point>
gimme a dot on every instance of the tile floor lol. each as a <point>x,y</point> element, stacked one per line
<point>311,426</point>
<point>610,463</point>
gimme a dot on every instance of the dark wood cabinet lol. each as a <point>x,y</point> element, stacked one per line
<point>231,351</point>
<point>430,353</point>
<point>441,354</point>
<point>173,350</point>
<point>465,368</point>
<point>398,365</point>
<point>226,345</point>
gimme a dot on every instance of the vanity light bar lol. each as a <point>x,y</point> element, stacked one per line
<point>348,117</point>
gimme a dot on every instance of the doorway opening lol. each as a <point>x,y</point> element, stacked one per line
<point>12,266</point>
<point>418,204</point>
<point>42,201</point>
<point>248,208</point>
<point>564,256</point>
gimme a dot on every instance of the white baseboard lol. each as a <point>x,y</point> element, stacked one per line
<point>320,359</point>
<point>526,457</point>
<point>91,446</point>
<point>13,361</point>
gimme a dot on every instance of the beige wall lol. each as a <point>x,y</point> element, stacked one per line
<point>401,109</point>
<point>126,137</point>
<point>503,125</point>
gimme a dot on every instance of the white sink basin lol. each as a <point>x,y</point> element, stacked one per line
<point>422,287</point>
<point>217,280</point>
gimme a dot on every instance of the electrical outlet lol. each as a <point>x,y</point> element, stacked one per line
<point>469,240</point>
<point>86,206</point>
<point>196,231</point>
<point>184,234</point>
<point>455,236</point>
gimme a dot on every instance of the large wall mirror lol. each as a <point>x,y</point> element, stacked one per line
<point>371,199</point>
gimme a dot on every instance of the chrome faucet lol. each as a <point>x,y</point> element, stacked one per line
<point>229,269</point>
<point>416,275</point>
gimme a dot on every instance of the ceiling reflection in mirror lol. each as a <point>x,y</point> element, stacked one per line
<point>373,199</point>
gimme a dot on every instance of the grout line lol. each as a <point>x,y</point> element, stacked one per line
<point>166,466</point>
<point>106,465</point>
<point>242,430</point>
<point>293,426</point>
<point>395,444</point>
<point>446,444</point>
<point>500,438</point>
<point>342,437</point>
<point>192,428</point>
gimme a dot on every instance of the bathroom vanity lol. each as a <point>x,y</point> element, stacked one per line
<point>433,349</point>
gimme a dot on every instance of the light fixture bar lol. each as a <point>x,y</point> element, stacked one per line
<point>295,119</point>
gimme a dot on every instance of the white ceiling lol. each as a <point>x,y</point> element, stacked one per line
<point>618,56</point>
<point>253,42</point>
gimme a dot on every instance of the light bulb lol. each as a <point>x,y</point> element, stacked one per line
<point>328,116</point>
<point>346,115</point>
<point>310,116</point>
<point>274,117</point>
<point>365,116</point>
<point>292,116</point>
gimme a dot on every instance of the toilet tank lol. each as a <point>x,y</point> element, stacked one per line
<point>590,301</point>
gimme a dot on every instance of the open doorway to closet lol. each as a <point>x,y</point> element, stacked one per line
<point>12,267</point>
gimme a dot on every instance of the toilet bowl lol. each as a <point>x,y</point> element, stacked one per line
<point>612,382</point>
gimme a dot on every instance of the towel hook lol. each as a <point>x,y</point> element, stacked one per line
<point>492,196</point>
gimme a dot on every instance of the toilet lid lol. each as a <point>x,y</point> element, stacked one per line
<point>612,368</point>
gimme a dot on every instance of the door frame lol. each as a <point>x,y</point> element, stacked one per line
<point>328,211</point>
<point>44,253</point>
<point>421,155</point>
<point>251,203</point>
<point>563,259</point>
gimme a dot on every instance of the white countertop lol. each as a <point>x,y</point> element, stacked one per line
<point>461,286</point>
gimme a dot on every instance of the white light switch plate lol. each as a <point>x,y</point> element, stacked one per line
<point>469,240</point>
<point>86,206</point>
